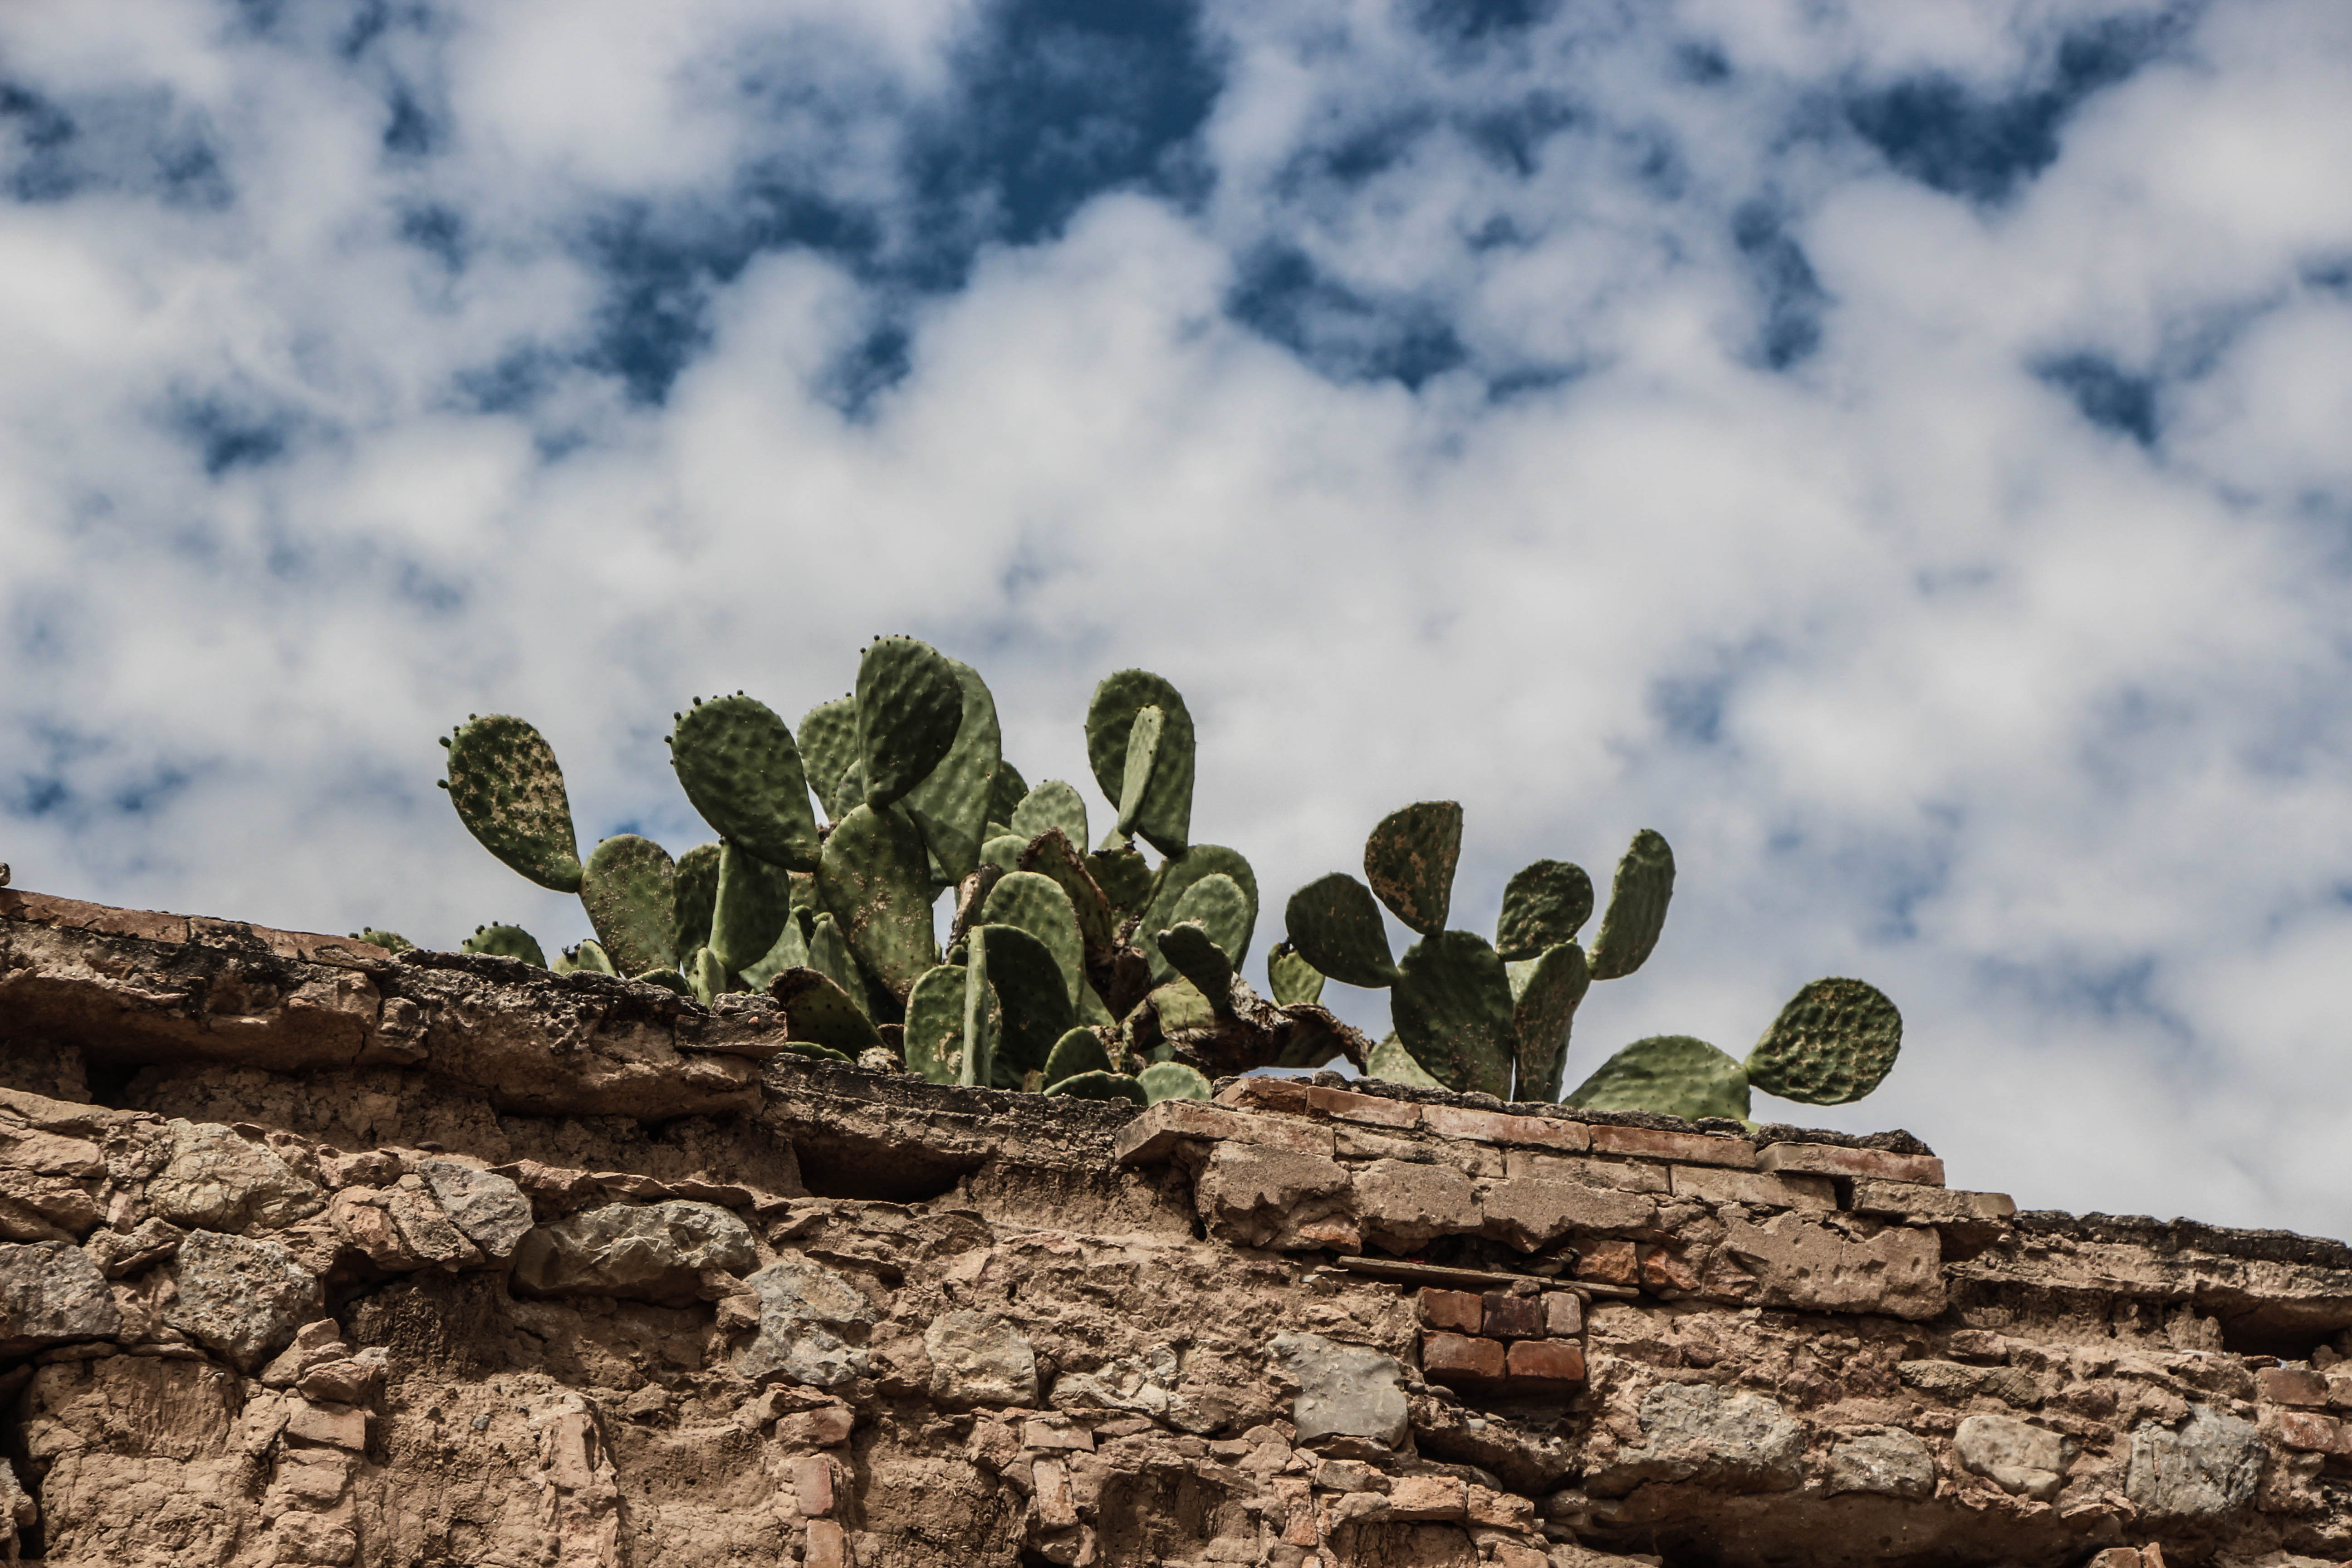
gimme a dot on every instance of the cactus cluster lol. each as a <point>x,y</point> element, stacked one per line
<point>1052,944</point>
<point>1835,1042</point>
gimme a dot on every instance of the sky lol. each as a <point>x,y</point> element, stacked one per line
<point>1901,453</point>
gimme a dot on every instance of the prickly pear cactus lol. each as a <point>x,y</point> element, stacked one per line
<point>910,707</point>
<point>696,893</point>
<point>1673,1075</point>
<point>1451,1008</point>
<point>1029,987</point>
<point>1173,1080</point>
<point>1050,806</point>
<point>1100,1086</point>
<point>1135,772</point>
<point>509,792</point>
<point>1835,1041</point>
<point>1037,905</point>
<point>1294,981</point>
<point>1409,858</point>
<point>753,901</point>
<point>629,888</point>
<point>1547,991</point>
<point>821,1013</point>
<point>828,743</point>
<point>1179,875</point>
<point>1194,953</point>
<point>738,764</point>
<point>1164,814</point>
<point>1077,1051</point>
<point>1335,925</point>
<point>1544,905</point>
<point>1392,1063</point>
<point>506,941</point>
<point>1637,907</point>
<point>874,877</point>
<point>390,941</point>
<point>934,1030</point>
<point>950,803</point>
<point>587,957</point>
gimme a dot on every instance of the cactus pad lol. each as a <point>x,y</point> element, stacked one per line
<point>1124,877</point>
<point>1637,909</point>
<point>821,1013</point>
<point>789,950</point>
<point>1037,905</point>
<point>1177,877</point>
<point>828,742</point>
<point>738,764</point>
<point>1004,852</point>
<point>1451,1008</point>
<point>1544,905</point>
<point>910,707</point>
<point>390,941</point>
<point>1051,855</point>
<point>1195,954</point>
<point>1173,1080</point>
<point>1335,925</point>
<point>1105,1085</point>
<point>588,958</point>
<point>1294,981</point>
<point>667,979</point>
<point>1135,775</point>
<point>1052,804</point>
<point>1164,815</point>
<point>1077,1051</point>
<point>950,804</point>
<point>934,1034</point>
<point>1543,1010</point>
<point>1672,1075</point>
<point>506,941</point>
<point>1392,1063</point>
<point>630,889</point>
<point>695,893</point>
<point>509,792</point>
<point>1409,860</point>
<point>829,955</point>
<point>754,902</point>
<point>1835,1041</point>
<point>705,975</point>
<point>1005,793</point>
<point>1029,987</point>
<point>875,880</point>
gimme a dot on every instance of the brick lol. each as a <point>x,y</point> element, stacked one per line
<point>1689,1148</point>
<point>1371,1109</point>
<point>2340,1393</point>
<point>329,1425</point>
<point>1837,1160</point>
<point>1428,1498</point>
<point>1621,1176</point>
<point>1609,1263</point>
<point>1563,1313</point>
<point>1154,1136</point>
<point>1665,1268</point>
<point>1405,1207</point>
<point>1712,1183</point>
<point>827,1426</point>
<point>1356,1144</point>
<point>828,1546</point>
<point>1259,1093</point>
<point>1044,1433</point>
<point>1544,1361</point>
<point>1057,1509</point>
<point>1930,1203</point>
<point>812,1486</point>
<point>1509,1317</point>
<point>2291,1385</point>
<point>1501,1510</point>
<point>1460,1311</point>
<point>1454,1359</point>
<point>1532,1215</point>
<point>2314,1433</point>
<point>1499,1127</point>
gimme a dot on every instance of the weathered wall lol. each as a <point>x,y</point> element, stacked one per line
<point>308,1256</point>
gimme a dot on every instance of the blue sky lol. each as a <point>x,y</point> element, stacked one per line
<point>1899,452</point>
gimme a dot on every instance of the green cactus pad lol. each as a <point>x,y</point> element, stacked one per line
<point>1051,855</point>
<point>1180,1006</point>
<point>754,902</point>
<point>821,1013</point>
<point>790,951</point>
<point>506,941</point>
<point>1124,877</point>
<point>705,975</point>
<point>1637,909</point>
<point>1005,794</point>
<point>982,1023</point>
<point>1135,774</point>
<point>1077,1051</point>
<point>1178,875</point>
<point>828,742</point>
<point>1100,1086</point>
<point>1029,987</point>
<point>1409,858</point>
<point>1165,813</point>
<point>630,889</point>
<point>1835,1041</point>
<point>829,955</point>
<point>1037,905</point>
<point>588,958</point>
<point>1192,952</point>
<point>1335,925</point>
<point>934,1035</point>
<point>874,880</point>
<point>1005,852</point>
<point>1052,804</point>
<point>390,941</point>
<point>695,886</point>
<point>1672,1075</point>
<point>1294,981</point>
<point>1543,1011</point>
<point>1392,1063</point>
<point>668,979</point>
<point>509,792</point>
<point>951,804</point>
<point>1173,1080</point>
<point>1544,905</point>
<point>739,768</point>
<point>1451,1008</point>
<point>909,706</point>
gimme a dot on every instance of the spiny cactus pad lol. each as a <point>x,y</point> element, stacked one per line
<point>695,891</point>
<point>1005,794</point>
<point>820,1012</point>
<point>1028,985</point>
<point>828,742</point>
<point>1003,851</point>
<point>909,706</point>
<point>706,974</point>
<point>1451,1008</point>
<point>1077,1051</point>
<point>1192,952</point>
<point>1542,1014</point>
<point>1392,1063</point>
<point>390,941</point>
<point>1637,907</point>
<point>755,898</point>
<point>951,803</point>
<point>1835,1041</point>
<point>1037,905</point>
<point>509,792</point>
<point>1673,1075</point>
<point>1544,905</point>
<point>1336,926</point>
<point>1135,775</point>
<point>1220,907</point>
<point>738,764</point>
<point>588,958</point>
<point>1051,855</point>
<point>1173,1080</point>
<point>1409,860</point>
<point>828,954</point>
<point>506,941</point>
<point>934,1032</point>
<point>1294,981</point>
<point>1179,875</point>
<point>1165,813</point>
<point>1125,878</point>
<point>629,888</point>
<point>874,880</point>
<point>1052,804</point>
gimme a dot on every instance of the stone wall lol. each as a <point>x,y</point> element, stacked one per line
<point>308,1256</point>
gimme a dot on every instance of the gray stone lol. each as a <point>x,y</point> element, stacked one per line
<point>51,1292</point>
<point>980,1358</point>
<point>1695,1431</point>
<point>490,1209</point>
<point>2016,1456</point>
<point>217,1180</point>
<point>1343,1390</point>
<point>1888,1464</point>
<point>240,1296</point>
<point>1952,1379</point>
<point>427,1231</point>
<point>2205,1470</point>
<point>121,1253</point>
<point>1404,1207</point>
<point>1801,1262</point>
<point>650,1252</point>
<point>805,1310</point>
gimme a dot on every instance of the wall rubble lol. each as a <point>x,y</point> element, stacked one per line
<point>308,1255</point>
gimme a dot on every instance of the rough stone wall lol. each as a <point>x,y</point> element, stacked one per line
<point>311,1257</point>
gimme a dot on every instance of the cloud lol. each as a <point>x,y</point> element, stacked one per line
<point>1894,451</point>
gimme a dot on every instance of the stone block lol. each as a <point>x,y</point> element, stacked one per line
<point>1563,1313</point>
<point>1555,1362</point>
<point>1403,1207</point>
<point>1714,1184</point>
<point>2016,1456</point>
<point>1459,1310</point>
<point>1623,1176</point>
<point>1837,1160</point>
<point>1461,1359</point>
<point>827,1426</point>
<point>1260,1091</point>
<point>1885,1464</point>
<point>1500,1127</point>
<point>1255,1194</point>
<point>1155,1135</point>
<point>980,1358</point>
<point>217,1180</point>
<point>488,1208</point>
<point>1531,1215</point>
<point>1940,1203</point>
<point>1050,1483</point>
<point>1501,1510</point>
<point>52,1292</point>
<point>1344,1391</point>
<point>1683,1148</point>
<point>2314,1433</point>
<point>1371,1109</point>
<point>1609,1263</point>
<point>239,1297</point>
<point>827,1546</point>
<point>328,1426</point>
<point>807,1314</point>
<point>1505,1316</point>
<point>812,1486</point>
<point>1730,1440</point>
<point>2205,1470</point>
<point>648,1252</point>
<point>1669,1270</point>
<point>1429,1497</point>
<point>1361,1143</point>
<point>2292,1385</point>
<point>1800,1262</point>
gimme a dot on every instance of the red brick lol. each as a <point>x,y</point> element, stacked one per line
<point>1837,1160</point>
<point>1712,1183</point>
<point>2289,1385</point>
<point>1457,1309</point>
<point>1563,1313</point>
<point>1545,1361</point>
<point>812,1486</point>
<point>1510,1317</point>
<point>1499,1127</point>
<point>1930,1203</point>
<point>1610,1263</point>
<point>2314,1433</point>
<point>827,1546</point>
<point>1257,1092</point>
<point>1665,1268</point>
<point>1372,1110</point>
<point>1460,1359</point>
<point>1690,1148</point>
<point>1154,1135</point>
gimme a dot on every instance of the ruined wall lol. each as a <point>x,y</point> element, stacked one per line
<point>311,1257</point>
